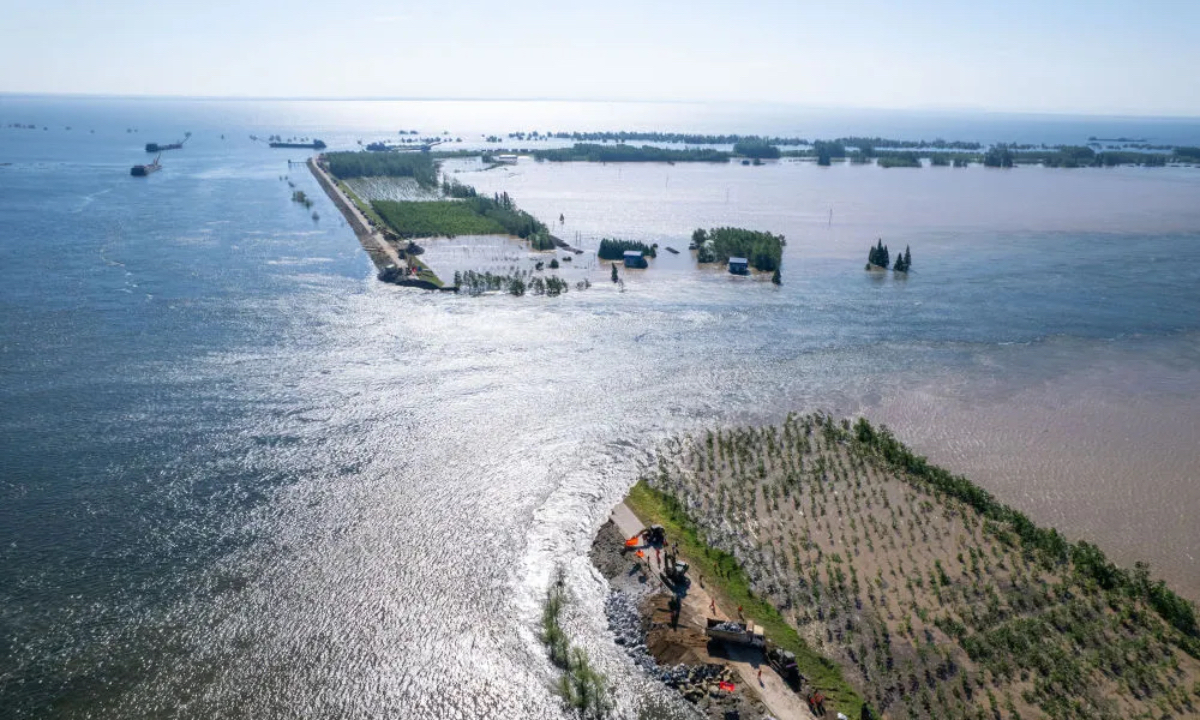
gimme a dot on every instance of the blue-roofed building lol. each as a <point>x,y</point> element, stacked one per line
<point>739,266</point>
<point>634,259</point>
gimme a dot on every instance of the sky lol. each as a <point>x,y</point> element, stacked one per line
<point>1119,57</point>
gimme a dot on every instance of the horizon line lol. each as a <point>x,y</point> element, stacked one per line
<point>633,101</point>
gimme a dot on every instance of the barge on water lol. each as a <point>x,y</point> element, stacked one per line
<point>156,148</point>
<point>314,145</point>
<point>144,170</point>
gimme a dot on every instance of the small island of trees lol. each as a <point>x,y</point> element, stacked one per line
<point>613,249</point>
<point>879,258</point>
<point>762,249</point>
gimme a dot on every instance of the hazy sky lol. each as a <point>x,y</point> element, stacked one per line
<point>1095,56</point>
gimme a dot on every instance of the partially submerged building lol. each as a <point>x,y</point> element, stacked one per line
<point>739,266</point>
<point>634,259</point>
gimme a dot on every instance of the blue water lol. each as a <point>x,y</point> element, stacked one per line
<point>240,478</point>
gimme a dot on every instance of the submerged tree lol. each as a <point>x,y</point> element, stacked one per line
<point>614,273</point>
<point>879,255</point>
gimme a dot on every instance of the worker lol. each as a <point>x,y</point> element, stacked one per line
<point>740,615</point>
<point>760,682</point>
<point>712,605</point>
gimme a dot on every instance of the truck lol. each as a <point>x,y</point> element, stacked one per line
<point>735,632</point>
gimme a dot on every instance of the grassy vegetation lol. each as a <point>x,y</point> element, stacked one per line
<point>585,152</point>
<point>725,578</point>
<point>582,687</point>
<point>424,272</point>
<point>899,160</point>
<point>501,209</point>
<point>363,207</point>
<point>935,599</point>
<point>431,219</point>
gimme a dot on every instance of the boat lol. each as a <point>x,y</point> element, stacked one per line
<point>314,145</point>
<point>144,170</point>
<point>156,148</point>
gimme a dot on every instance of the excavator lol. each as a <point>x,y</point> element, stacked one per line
<point>674,572</point>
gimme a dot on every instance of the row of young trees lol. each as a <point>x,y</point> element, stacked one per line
<point>879,256</point>
<point>419,166</point>
<point>835,528</point>
<point>1087,560</point>
<point>455,189</point>
<point>477,283</point>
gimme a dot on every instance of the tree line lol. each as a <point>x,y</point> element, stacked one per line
<point>1048,545</point>
<point>419,166</point>
<point>585,152</point>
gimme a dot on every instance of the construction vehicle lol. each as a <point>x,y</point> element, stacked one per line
<point>783,662</point>
<point>654,535</point>
<point>731,631</point>
<point>674,572</point>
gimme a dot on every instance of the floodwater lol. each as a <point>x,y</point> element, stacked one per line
<point>244,479</point>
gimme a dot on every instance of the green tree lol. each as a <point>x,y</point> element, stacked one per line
<point>998,156</point>
<point>775,278</point>
<point>755,148</point>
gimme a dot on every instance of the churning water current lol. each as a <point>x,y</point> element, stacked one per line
<point>241,478</point>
